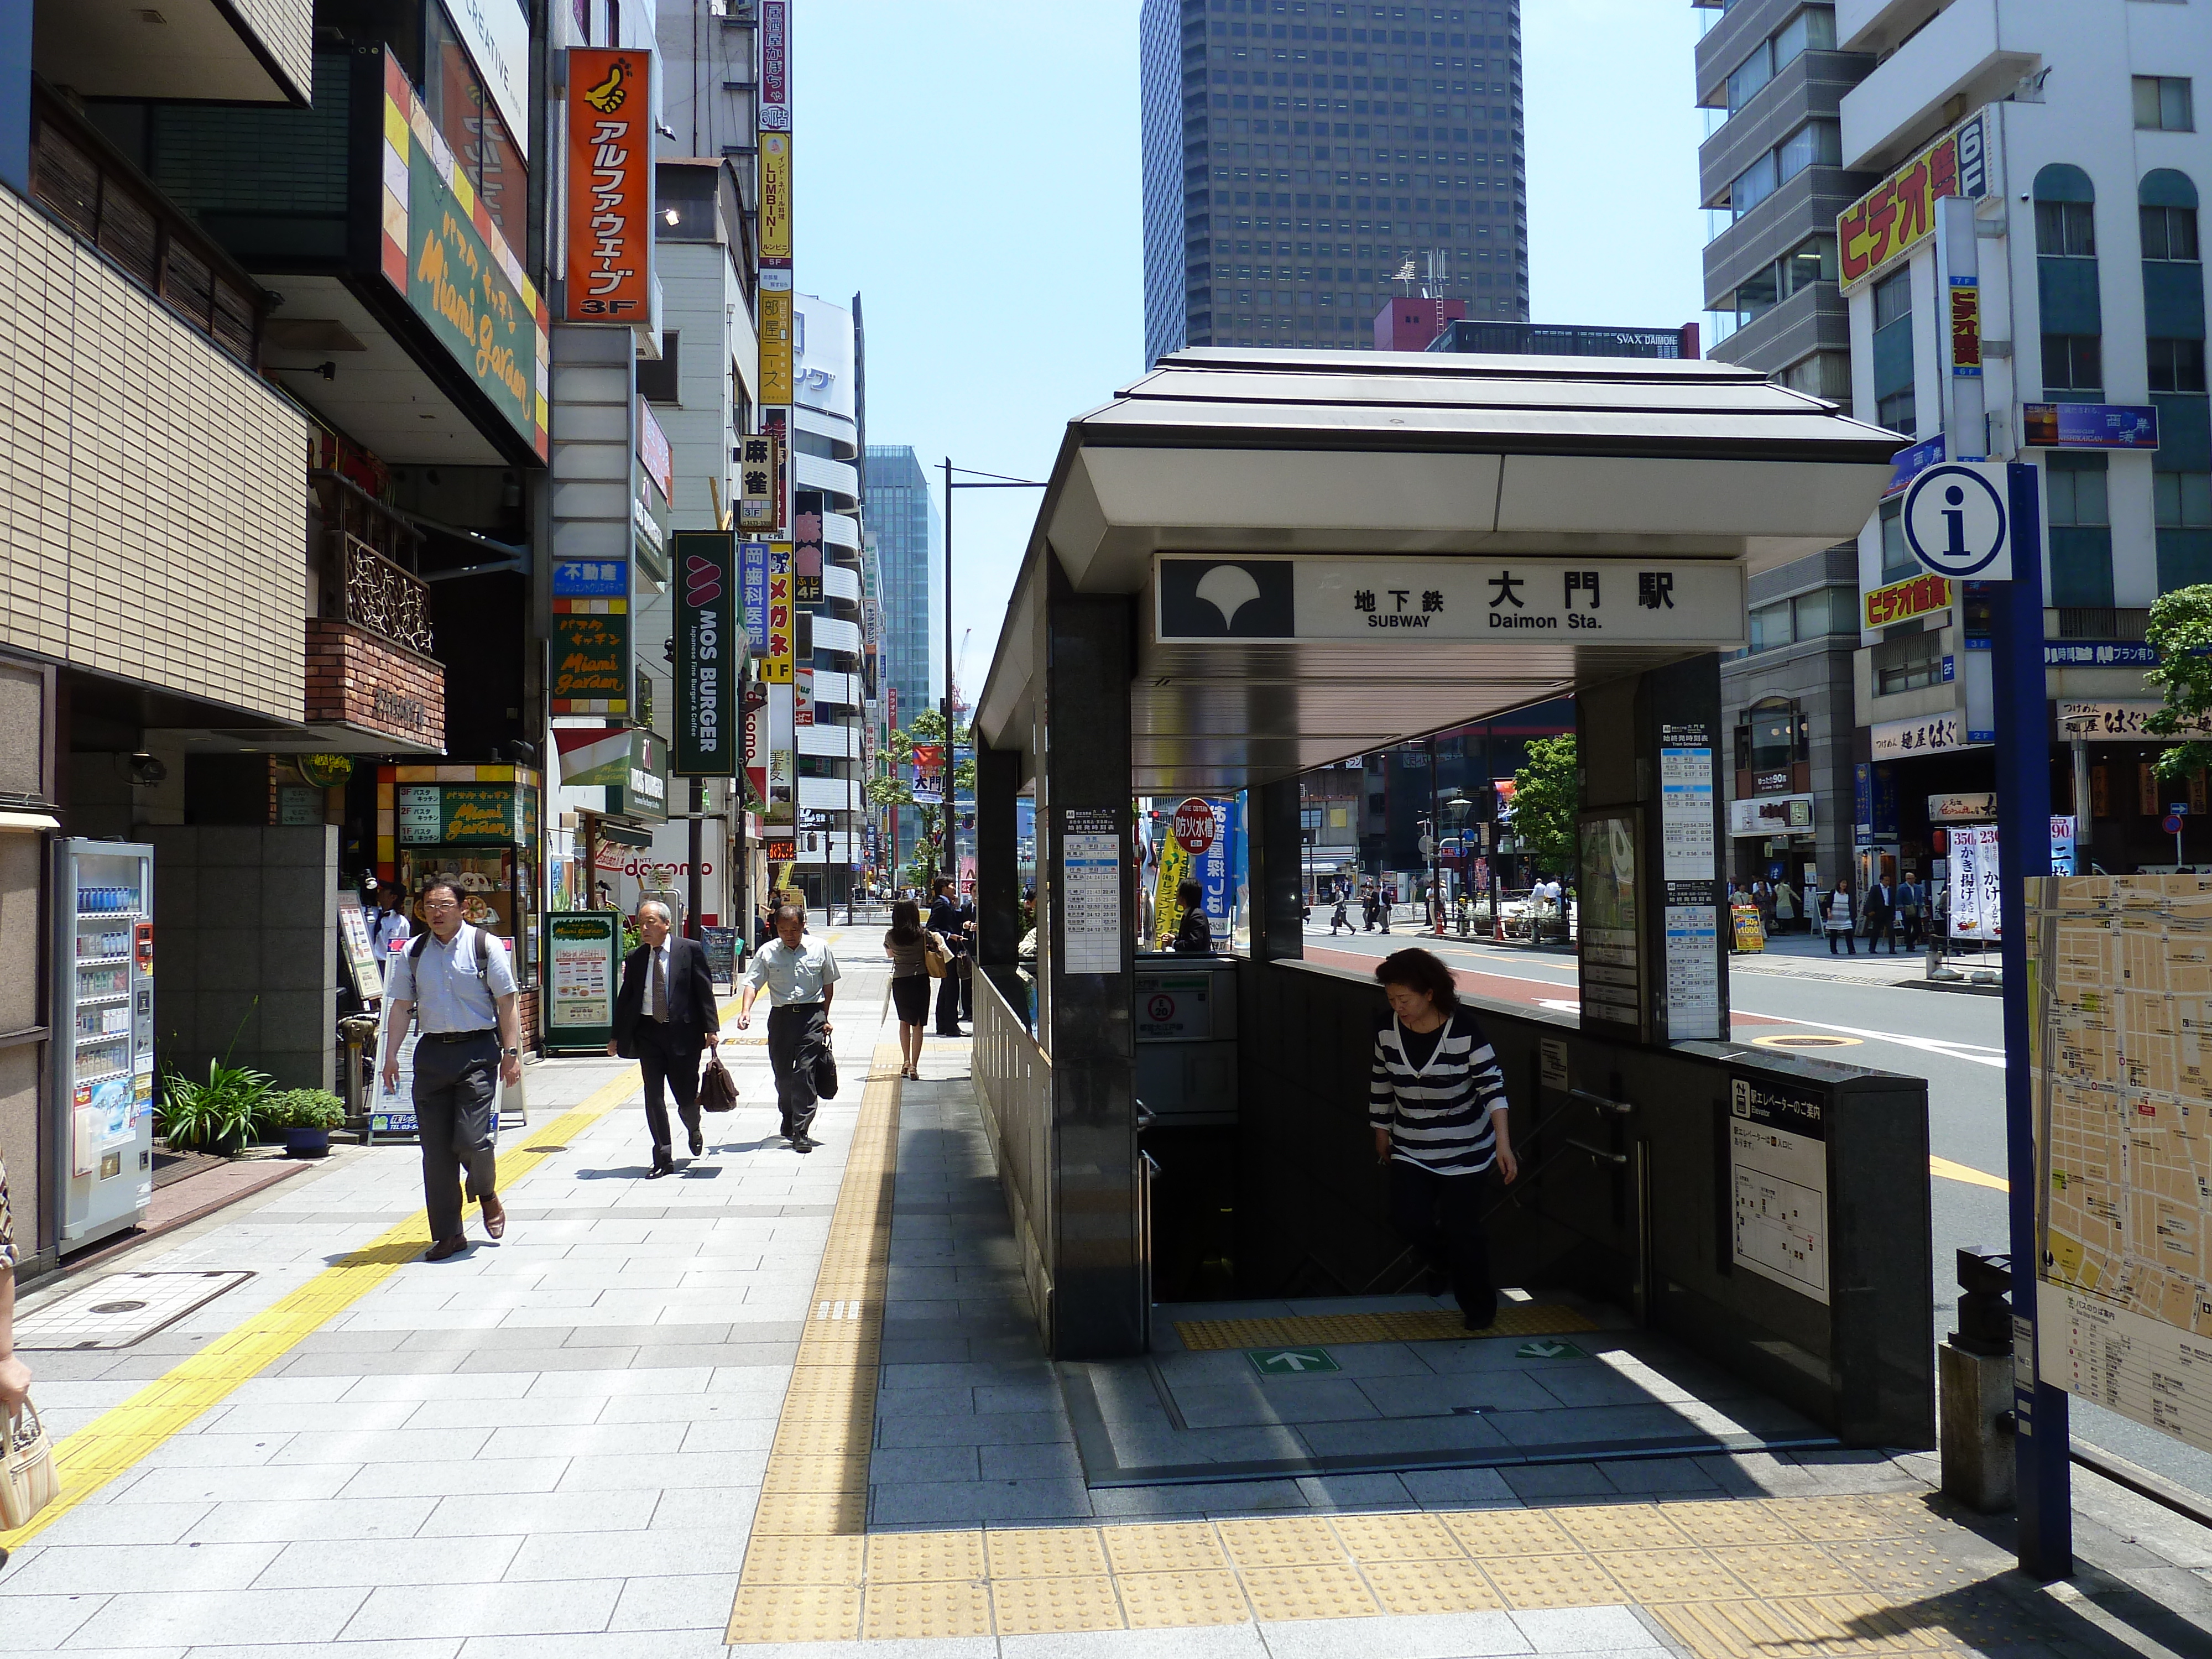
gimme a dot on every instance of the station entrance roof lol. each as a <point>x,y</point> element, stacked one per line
<point>1334,551</point>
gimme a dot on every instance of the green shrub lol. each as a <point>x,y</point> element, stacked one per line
<point>204,1116</point>
<point>302,1109</point>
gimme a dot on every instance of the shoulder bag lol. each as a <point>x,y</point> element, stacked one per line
<point>28,1479</point>
<point>933,957</point>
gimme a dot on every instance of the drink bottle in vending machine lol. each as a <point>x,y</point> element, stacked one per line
<point>104,1035</point>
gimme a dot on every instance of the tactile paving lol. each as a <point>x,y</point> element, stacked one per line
<point>795,1613</point>
<point>1415,1325</point>
<point>1621,1527</point>
<point>1174,1546</point>
<point>1551,1580</point>
<point>917,1557</point>
<point>1508,1532</point>
<point>1321,1591</point>
<point>1835,1519</point>
<point>1677,1574</point>
<point>919,1611</point>
<point>1369,1538</point>
<point>1741,1522</point>
<point>811,1514</point>
<point>1286,1540</point>
<point>1037,1606</point>
<point>1044,1552</point>
<point>1159,1600</point>
<point>1430,1586</point>
<point>780,1559</point>
<point>1787,1569</point>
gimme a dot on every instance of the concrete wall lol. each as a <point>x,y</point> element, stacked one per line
<point>244,953</point>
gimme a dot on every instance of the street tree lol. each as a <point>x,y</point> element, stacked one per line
<point>893,786</point>
<point>1545,799</point>
<point>2180,631</point>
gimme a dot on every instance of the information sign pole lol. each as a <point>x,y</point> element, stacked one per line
<point>2041,1445</point>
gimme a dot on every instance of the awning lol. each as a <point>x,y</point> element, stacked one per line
<point>1668,483</point>
<point>28,823</point>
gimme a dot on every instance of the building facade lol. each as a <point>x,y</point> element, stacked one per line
<point>1771,77</point>
<point>2025,281</point>
<point>909,537</point>
<point>1300,159</point>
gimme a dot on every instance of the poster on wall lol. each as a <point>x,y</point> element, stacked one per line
<point>582,951</point>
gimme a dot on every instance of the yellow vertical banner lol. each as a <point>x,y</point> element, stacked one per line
<point>775,198</point>
<point>1167,911</point>
<point>776,343</point>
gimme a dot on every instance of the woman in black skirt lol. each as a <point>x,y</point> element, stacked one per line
<point>908,944</point>
<point>1436,1102</point>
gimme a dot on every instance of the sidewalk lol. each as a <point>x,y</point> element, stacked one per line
<point>796,1404</point>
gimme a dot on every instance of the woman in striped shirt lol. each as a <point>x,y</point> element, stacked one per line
<point>1436,1102</point>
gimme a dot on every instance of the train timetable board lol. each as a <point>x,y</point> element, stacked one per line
<point>2123,994</point>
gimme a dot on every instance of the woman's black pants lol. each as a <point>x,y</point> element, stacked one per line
<point>1442,1215</point>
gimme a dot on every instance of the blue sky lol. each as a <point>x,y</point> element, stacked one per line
<point>970,168</point>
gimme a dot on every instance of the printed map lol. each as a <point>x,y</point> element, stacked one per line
<point>2123,1094</point>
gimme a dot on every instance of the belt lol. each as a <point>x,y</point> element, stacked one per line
<point>459,1036</point>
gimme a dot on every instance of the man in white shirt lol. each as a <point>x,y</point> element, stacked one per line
<point>800,977</point>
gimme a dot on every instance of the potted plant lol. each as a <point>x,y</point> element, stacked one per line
<point>307,1116</point>
<point>214,1117</point>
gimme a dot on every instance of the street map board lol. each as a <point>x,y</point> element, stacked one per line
<point>2123,994</point>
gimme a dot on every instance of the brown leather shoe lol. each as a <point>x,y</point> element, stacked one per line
<point>495,1216</point>
<point>446,1248</point>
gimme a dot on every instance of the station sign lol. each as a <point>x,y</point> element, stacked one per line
<point>1390,603</point>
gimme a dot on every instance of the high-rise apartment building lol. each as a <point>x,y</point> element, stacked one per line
<point>1303,160</point>
<point>1770,78</point>
<point>909,538</point>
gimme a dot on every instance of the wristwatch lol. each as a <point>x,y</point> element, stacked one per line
<point>510,1054</point>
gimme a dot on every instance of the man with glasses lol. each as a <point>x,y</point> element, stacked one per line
<point>461,978</point>
<point>800,977</point>
<point>664,1018</point>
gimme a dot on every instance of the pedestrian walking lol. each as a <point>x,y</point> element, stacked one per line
<point>1882,917</point>
<point>389,926</point>
<point>1194,933</point>
<point>946,922</point>
<point>1339,897</point>
<point>1909,902</point>
<point>910,945</point>
<point>1836,916</point>
<point>800,977</point>
<point>1436,1104</point>
<point>1390,898</point>
<point>664,1018</point>
<point>1785,906</point>
<point>459,981</point>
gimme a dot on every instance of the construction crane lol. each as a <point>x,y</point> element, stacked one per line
<point>959,663</point>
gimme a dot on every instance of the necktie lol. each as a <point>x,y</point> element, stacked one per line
<point>659,989</point>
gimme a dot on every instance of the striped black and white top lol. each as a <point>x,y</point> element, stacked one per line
<point>1437,1112</point>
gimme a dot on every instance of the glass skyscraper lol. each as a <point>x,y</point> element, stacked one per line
<point>1301,157</point>
<point>909,537</point>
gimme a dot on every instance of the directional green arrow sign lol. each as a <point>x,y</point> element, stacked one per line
<point>1545,1347</point>
<point>1290,1362</point>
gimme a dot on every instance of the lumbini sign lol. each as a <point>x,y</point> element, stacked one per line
<point>710,653</point>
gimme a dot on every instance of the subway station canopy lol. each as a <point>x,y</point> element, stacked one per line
<point>1331,552</point>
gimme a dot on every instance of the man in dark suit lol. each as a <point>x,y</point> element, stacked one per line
<point>665,1017</point>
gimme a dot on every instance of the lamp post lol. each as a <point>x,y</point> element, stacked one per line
<point>973,480</point>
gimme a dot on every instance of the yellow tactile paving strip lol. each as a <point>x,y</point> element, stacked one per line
<point>1420,1325</point>
<point>116,1440</point>
<point>1731,1579</point>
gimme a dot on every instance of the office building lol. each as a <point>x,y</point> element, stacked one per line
<point>1299,157</point>
<point>909,536</point>
<point>2025,281</point>
<point>1771,78</point>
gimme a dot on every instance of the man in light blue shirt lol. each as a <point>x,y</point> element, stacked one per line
<point>460,982</point>
<point>800,977</point>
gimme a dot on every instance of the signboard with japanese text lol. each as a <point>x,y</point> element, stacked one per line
<point>775,198</point>
<point>2089,426</point>
<point>753,565</point>
<point>1976,908</point>
<point>653,454</point>
<point>2123,722</point>
<point>591,659</point>
<point>442,250</point>
<point>458,815</point>
<point>2098,653</point>
<point>583,956</point>
<point>1778,1183</point>
<point>610,109</point>
<point>1925,734</point>
<point>1915,596</point>
<point>1909,463</point>
<point>1899,214</point>
<point>775,336</point>
<point>710,653</point>
<point>807,506</point>
<point>775,62</point>
<point>759,497</point>
<point>590,578</point>
<point>1391,601</point>
<point>1965,326</point>
<point>777,661</point>
<point>1771,815</point>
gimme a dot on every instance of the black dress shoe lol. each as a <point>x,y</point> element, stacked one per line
<point>659,1171</point>
<point>801,1143</point>
<point>698,1143</point>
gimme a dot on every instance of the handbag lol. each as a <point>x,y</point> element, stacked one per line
<point>27,1478</point>
<point>718,1090</point>
<point>823,1072</point>
<point>933,958</point>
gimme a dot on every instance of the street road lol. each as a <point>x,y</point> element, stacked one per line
<point>1954,1040</point>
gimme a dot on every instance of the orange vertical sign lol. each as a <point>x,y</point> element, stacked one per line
<point>610,275</point>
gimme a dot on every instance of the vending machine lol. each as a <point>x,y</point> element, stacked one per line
<point>104,1028</point>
